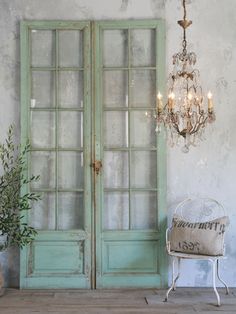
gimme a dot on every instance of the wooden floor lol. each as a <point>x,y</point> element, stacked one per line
<point>184,300</point>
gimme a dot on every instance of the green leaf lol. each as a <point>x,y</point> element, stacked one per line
<point>13,177</point>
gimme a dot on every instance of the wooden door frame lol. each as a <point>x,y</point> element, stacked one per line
<point>159,25</point>
<point>27,277</point>
<point>94,153</point>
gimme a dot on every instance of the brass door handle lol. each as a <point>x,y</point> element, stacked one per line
<point>97,165</point>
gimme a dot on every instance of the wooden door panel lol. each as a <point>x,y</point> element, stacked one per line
<point>48,258</point>
<point>130,189</point>
<point>130,257</point>
<point>56,117</point>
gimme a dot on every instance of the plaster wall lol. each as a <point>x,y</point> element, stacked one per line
<point>207,170</point>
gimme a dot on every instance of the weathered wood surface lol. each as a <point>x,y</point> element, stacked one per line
<point>192,300</point>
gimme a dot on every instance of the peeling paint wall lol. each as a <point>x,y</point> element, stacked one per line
<point>210,169</point>
<point>207,170</point>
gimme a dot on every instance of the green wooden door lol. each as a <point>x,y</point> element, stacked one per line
<point>85,89</point>
<point>56,114</point>
<point>130,189</point>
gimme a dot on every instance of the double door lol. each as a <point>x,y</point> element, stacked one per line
<point>85,88</point>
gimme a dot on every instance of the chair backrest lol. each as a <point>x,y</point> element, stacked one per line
<point>198,227</point>
<point>200,209</point>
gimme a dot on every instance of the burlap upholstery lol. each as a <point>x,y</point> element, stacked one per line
<point>205,238</point>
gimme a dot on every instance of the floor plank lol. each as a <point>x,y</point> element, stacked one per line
<point>183,300</point>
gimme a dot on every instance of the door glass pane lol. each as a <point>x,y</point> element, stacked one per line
<point>43,89</point>
<point>116,128</point>
<point>116,171</point>
<point>116,211</point>
<point>71,48</point>
<point>142,130</point>
<point>143,210</point>
<point>70,129</point>
<point>71,89</point>
<point>42,129</point>
<point>143,169</point>
<point>142,88</point>
<point>115,88</point>
<point>57,134</point>
<point>71,170</point>
<point>143,47</point>
<point>70,211</point>
<point>115,48</point>
<point>43,164</point>
<point>42,48</point>
<point>42,215</point>
<point>133,88</point>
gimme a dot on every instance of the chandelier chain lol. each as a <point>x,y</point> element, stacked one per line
<point>185,12</point>
<point>184,42</point>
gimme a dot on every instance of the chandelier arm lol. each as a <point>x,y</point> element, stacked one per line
<point>191,127</point>
<point>175,124</point>
<point>199,125</point>
<point>196,127</point>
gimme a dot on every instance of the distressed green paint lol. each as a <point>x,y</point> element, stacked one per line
<point>56,125</point>
<point>65,25</point>
<point>24,128</point>
<point>97,118</point>
<point>93,247</point>
<point>133,257</point>
<point>58,258</point>
<point>128,249</point>
<point>161,155</point>
<point>129,135</point>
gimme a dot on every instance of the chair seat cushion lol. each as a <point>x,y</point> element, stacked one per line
<point>205,238</point>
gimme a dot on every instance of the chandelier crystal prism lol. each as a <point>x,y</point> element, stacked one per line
<point>186,112</point>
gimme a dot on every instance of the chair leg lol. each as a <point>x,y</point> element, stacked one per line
<point>214,273</point>
<point>174,279</point>
<point>221,280</point>
<point>177,277</point>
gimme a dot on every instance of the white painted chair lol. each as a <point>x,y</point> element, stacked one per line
<point>196,211</point>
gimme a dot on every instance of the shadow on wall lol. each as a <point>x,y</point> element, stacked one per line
<point>203,269</point>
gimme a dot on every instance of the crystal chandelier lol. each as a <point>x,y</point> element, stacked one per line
<point>185,114</point>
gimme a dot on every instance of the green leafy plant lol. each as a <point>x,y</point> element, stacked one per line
<point>13,203</point>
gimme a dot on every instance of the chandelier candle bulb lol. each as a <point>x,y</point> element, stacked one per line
<point>210,102</point>
<point>190,96</point>
<point>159,102</point>
<point>172,96</point>
<point>171,101</point>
